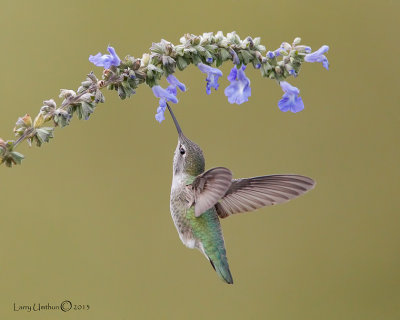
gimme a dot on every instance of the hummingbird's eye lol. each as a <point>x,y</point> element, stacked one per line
<point>182,150</point>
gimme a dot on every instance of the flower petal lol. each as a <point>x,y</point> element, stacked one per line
<point>239,90</point>
<point>291,101</point>
<point>174,81</point>
<point>160,116</point>
<point>213,74</point>
<point>278,51</point>
<point>318,56</point>
<point>106,60</point>
<point>116,61</point>
<point>233,74</point>
<point>160,92</point>
<point>270,55</point>
<point>207,69</point>
<point>287,87</point>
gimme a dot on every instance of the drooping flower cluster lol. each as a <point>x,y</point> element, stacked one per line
<point>218,48</point>
<point>125,75</point>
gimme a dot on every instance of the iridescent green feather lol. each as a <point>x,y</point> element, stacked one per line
<point>207,229</point>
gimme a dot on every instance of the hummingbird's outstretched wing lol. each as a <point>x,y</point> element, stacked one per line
<point>249,194</point>
<point>209,187</point>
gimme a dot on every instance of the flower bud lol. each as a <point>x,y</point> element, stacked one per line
<point>107,73</point>
<point>87,97</point>
<point>65,93</point>
<point>286,59</point>
<point>286,46</point>
<point>289,68</point>
<point>145,60</point>
<point>196,40</point>
<point>278,70</point>
<point>296,41</point>
<point>303,49</point>
<point>206,37</point>
<point>39,120</point>
<point>50,103</point>
<point>2,146</point>
<point>92,77</point>
<point>86,83</point>
<point>25,121</point>
<point>101,84</point>
<point>219,36</point>
<point>22,124</point>
<point>99,97</point>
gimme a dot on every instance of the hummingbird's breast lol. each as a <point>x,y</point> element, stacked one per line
<point>179,205</point>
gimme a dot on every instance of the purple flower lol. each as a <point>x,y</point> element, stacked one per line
<point>106,60</point>
<point>172,80</point>
<point>318,56</point>
<point>168,94</point>
<point>160,110</point>
<point>213,75</point>
<point>239,90</point>
<point>306,49</point>
<point>291,99</point>
<point>276,53</point>
<point>165,95</point>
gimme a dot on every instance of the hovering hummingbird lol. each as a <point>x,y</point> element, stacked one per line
<point>199,198</point>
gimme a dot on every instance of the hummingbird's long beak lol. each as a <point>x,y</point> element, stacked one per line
<point>178,128</point>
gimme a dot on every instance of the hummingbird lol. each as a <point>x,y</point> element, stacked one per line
<point>199,199</point>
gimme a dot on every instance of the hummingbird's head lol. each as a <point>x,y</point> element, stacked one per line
<point>188,157</point>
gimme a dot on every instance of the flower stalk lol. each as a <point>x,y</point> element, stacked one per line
<point>164,59</point>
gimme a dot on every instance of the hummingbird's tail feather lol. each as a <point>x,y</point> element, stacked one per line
<point>222,269</point>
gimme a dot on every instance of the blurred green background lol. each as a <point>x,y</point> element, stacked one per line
<point>86,218</point>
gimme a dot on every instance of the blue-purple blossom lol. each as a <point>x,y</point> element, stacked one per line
<point>239,90</point>
<point>106,60</point>
<point>165,95</point>
<point>291,101</point>
<point>213,74</point>
<point>306,49</point>
<point>270,55</point>
<point>168,94</point>
<point>172,80</point>
<point>318,56</point>
<point>276,53</point>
